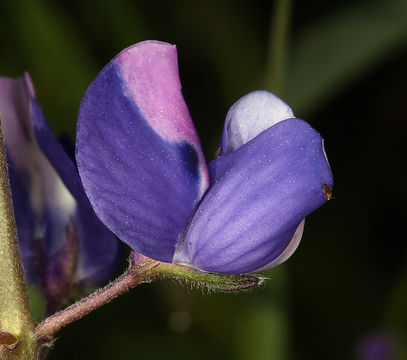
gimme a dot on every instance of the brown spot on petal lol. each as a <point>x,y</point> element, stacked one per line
<point>217,152</point>
<point>328,191</point>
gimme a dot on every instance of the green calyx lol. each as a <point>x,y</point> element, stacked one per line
<point>16,324</point>
<point>206,280</point>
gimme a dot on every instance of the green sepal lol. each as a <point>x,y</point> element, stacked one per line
<point>208,280</point>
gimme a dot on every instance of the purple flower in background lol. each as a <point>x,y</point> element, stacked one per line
<point>61,240</point>
<point>377,346</point>
<point>143,169</point>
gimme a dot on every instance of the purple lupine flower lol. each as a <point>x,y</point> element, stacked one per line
<point>62,242</point>
<point>142,166</point>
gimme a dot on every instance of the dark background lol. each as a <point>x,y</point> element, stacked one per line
<point>342,66</point>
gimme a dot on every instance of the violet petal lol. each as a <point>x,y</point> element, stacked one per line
<point>99,251</point>
<point>47,195</point>
<point>137,151</point>
<point>259,195</point>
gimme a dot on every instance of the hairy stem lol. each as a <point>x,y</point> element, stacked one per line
<point>15,313</point>
<point>133,277</point>
<point>144,269</point>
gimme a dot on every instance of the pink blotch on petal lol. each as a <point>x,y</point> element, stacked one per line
<point>151,80</point>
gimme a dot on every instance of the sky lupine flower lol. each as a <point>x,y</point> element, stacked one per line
<point>144,171</point>
<point>62,241</point>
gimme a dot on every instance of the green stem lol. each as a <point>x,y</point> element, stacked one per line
<point>279,29</point>
<point>15,313</point>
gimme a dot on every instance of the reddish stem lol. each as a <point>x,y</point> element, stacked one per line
<point>74,312</point>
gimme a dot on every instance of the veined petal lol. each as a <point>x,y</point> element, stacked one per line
<point>138,153</point>
<point>260,194</point>
<point>251,115</point>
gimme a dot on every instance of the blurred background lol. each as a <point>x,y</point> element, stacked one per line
<point>342,66</point>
